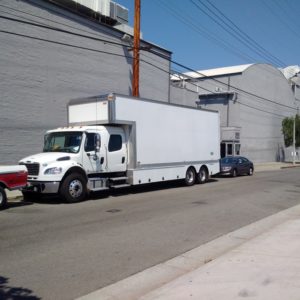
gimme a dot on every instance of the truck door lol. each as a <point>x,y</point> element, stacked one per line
<point>92,160</point>
<point>116,152</point>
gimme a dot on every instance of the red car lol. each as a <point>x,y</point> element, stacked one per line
<point>12,178</point>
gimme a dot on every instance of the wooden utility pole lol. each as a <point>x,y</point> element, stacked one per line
<point>136,49</point>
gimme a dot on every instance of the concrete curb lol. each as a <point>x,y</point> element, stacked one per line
<point>143,283</point>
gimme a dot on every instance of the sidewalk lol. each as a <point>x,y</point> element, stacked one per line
<point>261,261</point>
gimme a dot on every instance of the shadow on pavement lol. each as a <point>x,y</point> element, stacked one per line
<point>15,293</point>
<point>17,204</point>
<point>143,188</point>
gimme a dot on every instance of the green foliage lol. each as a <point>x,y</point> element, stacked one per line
<point>287,130</point>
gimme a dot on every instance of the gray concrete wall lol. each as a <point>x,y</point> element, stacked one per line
<point>260,120</point>
<point>261,135</point>
<point>38,78</point>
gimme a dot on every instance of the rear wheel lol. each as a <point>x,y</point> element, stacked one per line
<point>73,188</point>
<point>202,176</point>
<point>190,176</point>
<point>3,198</point>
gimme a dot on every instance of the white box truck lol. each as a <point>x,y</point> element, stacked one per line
<point>114,141</point>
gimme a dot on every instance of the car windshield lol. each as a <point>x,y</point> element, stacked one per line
<point>228,160</point>
<point>63,142</point>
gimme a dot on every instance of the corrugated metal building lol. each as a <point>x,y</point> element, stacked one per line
<point>252,101</point>
<point>46,61</point>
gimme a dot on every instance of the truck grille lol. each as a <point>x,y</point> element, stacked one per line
<point>33,169</point>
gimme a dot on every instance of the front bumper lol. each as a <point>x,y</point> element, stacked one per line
<point>42,187</point>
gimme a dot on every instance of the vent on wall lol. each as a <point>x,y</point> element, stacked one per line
<point>118,12</point>
<point>99,6</point>
<point>104,11</point>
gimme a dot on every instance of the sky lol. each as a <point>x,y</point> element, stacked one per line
<point>205,34</point>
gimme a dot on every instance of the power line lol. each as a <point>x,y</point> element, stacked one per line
<point>261,110</point>
<point>63,31</point>
<point>235,88</point>
<point>231,30</point>
<point>214,93</point>
<point>247,37</point>
<point>119,55</point>
<point>279,18</point>
<point>46,19</point>
<point>186,19</point>
<point>120,44</point>
<point>41,18</point>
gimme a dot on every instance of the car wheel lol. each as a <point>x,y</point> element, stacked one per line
<point>73,188</point>
<point>3,198</point>
<point>234,173</point>
<point>202,176</point>
<point>190,176</point>
<point>250,173</point>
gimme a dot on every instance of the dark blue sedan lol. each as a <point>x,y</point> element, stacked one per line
<point>236,165</point>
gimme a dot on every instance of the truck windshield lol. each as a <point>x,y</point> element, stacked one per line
<point>63,142</point>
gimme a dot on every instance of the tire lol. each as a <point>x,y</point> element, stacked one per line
<point>234,173</point>
<point>190,176</point>
<point>3,198</point>
<point>202,176</point>
<point>250,173</point>
<point>73,188</point>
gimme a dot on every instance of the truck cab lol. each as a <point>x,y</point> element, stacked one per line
<point>75,160</point>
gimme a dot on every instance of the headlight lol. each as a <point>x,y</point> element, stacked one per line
<point>53,171</point>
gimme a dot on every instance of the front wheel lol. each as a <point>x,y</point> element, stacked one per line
<point>234,173</point>
<point>250,173</point>
<point>190,176</point>
<point>3,198</point>
<point>73,188</point>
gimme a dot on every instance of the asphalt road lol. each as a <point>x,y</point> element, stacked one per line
<point>52,250</point>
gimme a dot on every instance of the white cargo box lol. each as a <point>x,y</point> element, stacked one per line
<point>161,135</point>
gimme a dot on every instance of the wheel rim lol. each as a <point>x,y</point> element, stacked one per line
<point>234,173</point>
<point>202,175</point>
<point>250,171</point>
<point>75,188</point>
<point>190,176</point>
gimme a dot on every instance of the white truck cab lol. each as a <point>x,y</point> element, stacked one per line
<point>71,155</point>
<point>114,141</point>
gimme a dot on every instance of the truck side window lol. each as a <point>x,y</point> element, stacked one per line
<point>115,143</point>
<point>90,142</point>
